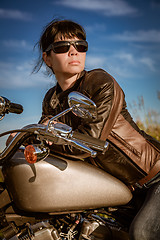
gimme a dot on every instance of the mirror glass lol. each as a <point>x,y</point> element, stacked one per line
<point>82,106</point>
<point>2,105</point>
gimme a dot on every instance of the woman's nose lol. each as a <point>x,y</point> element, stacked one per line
<point>72,50</point>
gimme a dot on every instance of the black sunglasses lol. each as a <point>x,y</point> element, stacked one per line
<point>64,46</point>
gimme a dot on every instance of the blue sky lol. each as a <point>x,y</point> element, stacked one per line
<point>123,37</point>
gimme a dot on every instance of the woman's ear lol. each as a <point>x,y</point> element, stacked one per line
<point>46,59</point>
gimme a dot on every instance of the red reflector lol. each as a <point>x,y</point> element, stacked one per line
<point>30,154</point>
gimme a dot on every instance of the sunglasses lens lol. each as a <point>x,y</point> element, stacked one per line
<point>81,48</point>
<point>63,46</point>
<point>61,49</point>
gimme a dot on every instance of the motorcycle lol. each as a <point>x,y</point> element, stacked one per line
<point>46,195</point>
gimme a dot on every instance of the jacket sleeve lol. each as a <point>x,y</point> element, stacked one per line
<point>99,86</point>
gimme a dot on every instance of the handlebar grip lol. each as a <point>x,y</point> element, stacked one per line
<point>15,108</point>
<point>81,146</point>
<point>95,143</point>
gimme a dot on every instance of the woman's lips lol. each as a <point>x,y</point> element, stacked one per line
<point>74,62</point>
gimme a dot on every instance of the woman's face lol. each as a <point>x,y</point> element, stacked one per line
<point>66,64</point>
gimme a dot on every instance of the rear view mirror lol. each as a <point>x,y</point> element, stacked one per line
<point>82,106</point>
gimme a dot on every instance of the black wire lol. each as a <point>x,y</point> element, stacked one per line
<point>13,131</point>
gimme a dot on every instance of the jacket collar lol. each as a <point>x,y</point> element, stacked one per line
<point>59,95</point>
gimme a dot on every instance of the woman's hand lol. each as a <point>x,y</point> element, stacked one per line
<point>46,123</point>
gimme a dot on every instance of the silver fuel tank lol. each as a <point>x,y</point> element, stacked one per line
<point>56,185</point>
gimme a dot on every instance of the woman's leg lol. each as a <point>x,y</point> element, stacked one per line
<point>146,224</point>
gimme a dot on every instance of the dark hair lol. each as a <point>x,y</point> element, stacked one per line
<point>60,29</point>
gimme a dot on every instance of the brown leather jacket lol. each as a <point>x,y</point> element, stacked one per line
<point>132,155</point>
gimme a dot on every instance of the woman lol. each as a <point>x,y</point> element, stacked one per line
<point>132,156</point>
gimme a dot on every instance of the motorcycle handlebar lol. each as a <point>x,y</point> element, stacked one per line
<point>40,129</point>
<point>6,106</point>
<point>15,108</point>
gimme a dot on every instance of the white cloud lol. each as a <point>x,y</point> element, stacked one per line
<point>114,64</point>
<point>149,63</point>
<point>138,36</point>
<point>105,7</point>
<point>95,27</point>
<point>18,44</point>
<point>95,61</point>
<point>14,75</point>
<point>122,64</point>
<point>131,60</point>
<point>125,57</point>
<point>15,14</point>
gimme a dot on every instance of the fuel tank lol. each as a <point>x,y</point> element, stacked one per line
<point>57,185</point>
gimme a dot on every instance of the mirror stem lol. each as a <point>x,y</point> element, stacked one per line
<point>59,115</point>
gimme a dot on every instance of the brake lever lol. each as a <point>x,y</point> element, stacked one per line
<point>80,146</point>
